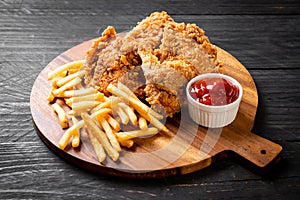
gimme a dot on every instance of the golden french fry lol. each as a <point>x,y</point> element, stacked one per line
<point>155,122</point>
<point>121,113</point>
<point>106,104</point>
<point>136,133</point>
<point>100,135</point>
<point>68,78</point>
<point>126,143</point>
<point>54,81</point>
<point>155,114</point>
<point>103,112</point>
<point>73,112</point>
<point>62,117</point>
<point>138,105</point>
<point>76,93</point>
<point>125,89</point>
<point>68,85</point>
<point>110,134</point>
<point>132,116</point>
<point>51,97</point>
<point>73,70</point>
<point>63,142</point>
<point>84,105</point>
<point>63,74</point>
<point>97,146</point>
<point>143,123</point>
<point>75,141</point>
<point>69,103</point>
<point>76,137</point>
<point>91,97</point>
<point>113,123</point>
<point>116,91</point>
<point>57,71</point>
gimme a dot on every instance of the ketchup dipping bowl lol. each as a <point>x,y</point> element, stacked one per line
<point>213,99</point>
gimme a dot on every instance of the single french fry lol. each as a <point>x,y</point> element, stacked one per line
<point>125,89</point>
<point>75,141</point>
<point>63,74</point>
<point>68,78</point>
<point>103,112</point>
<point>116,91</point>
<point>113,123</point>
<point>136,133</point>
<point>109,133</point>
<point>54,81</point>
<point>51,97</point>
<point>63,142</point>
<point>73,112</point>
<point>76,93</point>
<point>142,123</point>
<point>69,103</point>
<point>155,122</point>
<point>155,114</point>
<point>126,143</point>
<point>84,105</point>
<point>68,85</point>
<point>121,113</point>
<point>91,97</point>
<point>138,105</point>
<point>62,117</point>
<point>97,146</point>
<point>100,135</point>
<point>76,136</point>
<point>132,116</point>
<point>73,70</point>
<point>106,104</point>
<point>57,71</point>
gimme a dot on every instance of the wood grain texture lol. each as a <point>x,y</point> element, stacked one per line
<point>264,36</point>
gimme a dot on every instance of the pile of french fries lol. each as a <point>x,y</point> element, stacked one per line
<point>103,117</point>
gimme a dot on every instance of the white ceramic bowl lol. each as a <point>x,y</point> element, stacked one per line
<point>213,116</point>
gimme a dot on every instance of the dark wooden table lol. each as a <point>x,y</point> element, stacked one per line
<point>264,36</point>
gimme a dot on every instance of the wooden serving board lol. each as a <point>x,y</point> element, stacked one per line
<point>187,148</point>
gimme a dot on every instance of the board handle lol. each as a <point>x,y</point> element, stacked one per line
<point>258,150</point>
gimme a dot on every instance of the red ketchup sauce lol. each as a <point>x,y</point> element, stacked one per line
<point>214,91</point>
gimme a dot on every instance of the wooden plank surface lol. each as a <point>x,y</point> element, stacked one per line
<point>264,36</point>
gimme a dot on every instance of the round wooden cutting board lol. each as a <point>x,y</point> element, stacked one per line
<point>186,148</point>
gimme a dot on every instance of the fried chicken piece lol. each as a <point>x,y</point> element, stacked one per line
<point>159,98</point>
<point>155,59</point>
